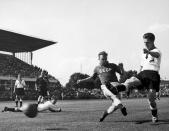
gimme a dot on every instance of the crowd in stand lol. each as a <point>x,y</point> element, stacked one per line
<point>11,66</point>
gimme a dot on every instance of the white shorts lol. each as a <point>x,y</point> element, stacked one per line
<point>108,94</point>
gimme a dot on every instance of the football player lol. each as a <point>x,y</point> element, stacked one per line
<point>41,86</point>
<point>107,74</point>
<point>48,105</point>
<point>19,90</point>
<point>148,76</point>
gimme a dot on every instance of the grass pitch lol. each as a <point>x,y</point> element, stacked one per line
<point>83,115</point>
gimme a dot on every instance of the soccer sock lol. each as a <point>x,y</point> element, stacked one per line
<point>104,116</point>
<point>42,100</point>
<point>39,99</point>
<point>124,111</point>
<point>154,113</point>
<point>20,103</point>
<point>16,103</point>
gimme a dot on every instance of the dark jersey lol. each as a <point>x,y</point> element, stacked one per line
<point>42,83</point>
<point>107,73</point>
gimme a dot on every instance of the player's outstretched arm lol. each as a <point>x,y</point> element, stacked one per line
<point>89,79</point>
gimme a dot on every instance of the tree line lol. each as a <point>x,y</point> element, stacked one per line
<point>88,90</point>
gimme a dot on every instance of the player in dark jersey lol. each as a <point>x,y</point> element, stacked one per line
<point>41,85</point>
<point>107,74</point>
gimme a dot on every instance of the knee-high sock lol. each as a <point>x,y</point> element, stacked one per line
<point>20,103</point>
<point>16,101</point>
<point>110,110</point>
<point>154,113</point>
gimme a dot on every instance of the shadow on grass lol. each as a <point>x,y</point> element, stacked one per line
<point>160,122</point>
<point>54,129</point>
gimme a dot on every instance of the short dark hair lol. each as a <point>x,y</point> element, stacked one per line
<point>149,36</point>
<point>102,53</point>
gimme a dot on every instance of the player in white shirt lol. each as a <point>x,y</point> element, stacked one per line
<point>148,77</point>
<point>49,105</point>
<point>19,90</point>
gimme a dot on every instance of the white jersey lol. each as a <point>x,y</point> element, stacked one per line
<point>150,62</point>
<point>45,106</point>
<point>20,84</point>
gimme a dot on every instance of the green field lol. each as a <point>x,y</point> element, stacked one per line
<point>83,115</point>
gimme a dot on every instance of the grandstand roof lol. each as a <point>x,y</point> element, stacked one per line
<point>14,42</point>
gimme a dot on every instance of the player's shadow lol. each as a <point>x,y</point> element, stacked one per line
<point>135,121</point>
<point>160,122</point>
<point>141,121</point>
<point>56,129</point>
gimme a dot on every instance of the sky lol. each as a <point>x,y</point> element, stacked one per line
<point>83,28</point>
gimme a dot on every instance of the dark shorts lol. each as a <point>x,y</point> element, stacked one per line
<point>149,79</point>
<point>112,88</point>
<point>42,93</point>
<point>19,91</point>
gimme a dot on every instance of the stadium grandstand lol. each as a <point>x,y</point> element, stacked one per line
<point>19,60</point>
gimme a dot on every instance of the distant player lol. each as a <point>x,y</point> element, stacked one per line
<point>41,86</point>
<point>19,90</point>
<point>107,74</point>
<point>149,73</point>
<point>48,105</point>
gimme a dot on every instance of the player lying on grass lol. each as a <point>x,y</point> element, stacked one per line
<point>48,105</point>
<point>107,74</point>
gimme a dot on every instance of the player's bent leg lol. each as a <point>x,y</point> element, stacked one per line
<point>119,105</point>
<point>8,109</point>
<point>42,99</point>
<point>120,86</point>
<point>16,100</point>
<point>20,100</point>
<point>123,110</point>
<point>107,93</point>
<point>153,105</point>
<point>112,109</point>
<point>116,103</point>
<point>113,95</point>
<point>39,99</point>
<point>131,83</point>
<point>5,109</point>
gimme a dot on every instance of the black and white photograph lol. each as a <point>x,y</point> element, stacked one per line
<point>84,65</point>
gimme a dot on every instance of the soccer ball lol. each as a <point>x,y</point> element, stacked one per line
<point>30,110</point>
